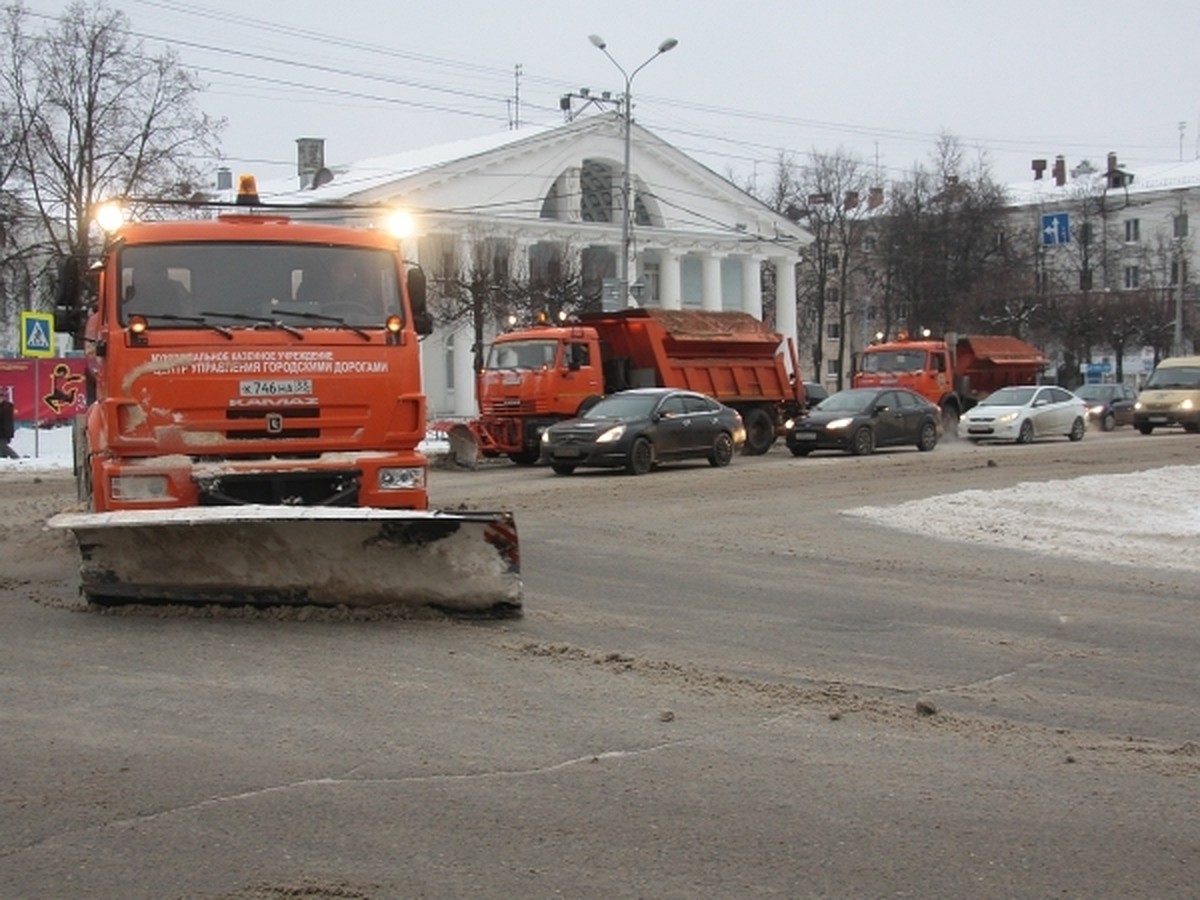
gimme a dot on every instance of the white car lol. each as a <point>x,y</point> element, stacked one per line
<point>1023,413</point>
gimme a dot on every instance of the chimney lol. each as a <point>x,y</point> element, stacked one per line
<point>1060,171</point>
<point>1039,169</point>
<point>310,159</point>
<point>851,201</point>
<point>1112,162</point>
<point>874,198</point>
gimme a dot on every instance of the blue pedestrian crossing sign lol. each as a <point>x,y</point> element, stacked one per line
<point>37,334</point>
<point>1056,229</point>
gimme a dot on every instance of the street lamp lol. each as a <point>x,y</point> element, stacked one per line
<point>598,43</point>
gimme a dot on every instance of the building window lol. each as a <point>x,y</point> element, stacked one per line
<point>833,331</point>
<point>832,368</point>
<point>1131,277</point>
<point>868,245</point>
<point>1178,267</point>
<point>1181,225</point>
<point>1133,231</point>
<point>1085,232</point>
<point>649,279</point>
<point>450,365</point>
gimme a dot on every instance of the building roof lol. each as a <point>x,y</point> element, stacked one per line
<point>1146,179</point>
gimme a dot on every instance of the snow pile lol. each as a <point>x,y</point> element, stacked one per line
<point>1144,518</point>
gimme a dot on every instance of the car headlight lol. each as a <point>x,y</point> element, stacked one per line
<point>1096,409</point>
<point>546,436</point>
<point>613,434</point>
<point>839,423</point>
<point>1137,404</point>
<point>1007,417</point>
<point>789,424</point>
<point>1186,404</point>
<point>401,478</point>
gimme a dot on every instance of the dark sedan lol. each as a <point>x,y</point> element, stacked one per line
<point>860,419</point>
<point>637,429</point>
<point>1109,404</point>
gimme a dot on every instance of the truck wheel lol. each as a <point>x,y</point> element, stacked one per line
<point>562,468</point>
<point>641,457</point>
<point>526,457</point>
<point>950,420</point>
<point>1145,428</point>
<point>722,451</point>
<point>760,431</point>
<point>864,442</point>
<point>1025,435</point>
<point>1077,429</point>
<point>928,439</point>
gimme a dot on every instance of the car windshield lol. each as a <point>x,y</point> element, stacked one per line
<point>1010,396</point>
<point>1096,392</point>
<point>848,401</point>
<point>623,406</point>
<point>893,361</point>
<point>521,354</point>
<point>1175,378</point>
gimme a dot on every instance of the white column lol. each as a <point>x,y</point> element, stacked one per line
<point>670,289</point>
<point>464,372</point>
<point>752,285</point>
<point>785,306</point>
<point>711,298</point>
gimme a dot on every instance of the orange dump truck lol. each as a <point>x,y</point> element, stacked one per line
<point>955,373</point>
<point>538,376</point>
<point>252,430</point>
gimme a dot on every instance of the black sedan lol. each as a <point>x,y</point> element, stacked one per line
<point>640,428</point>
<point>860,419</point>
<point>1109,404</point>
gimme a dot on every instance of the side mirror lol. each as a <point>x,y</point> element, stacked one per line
<point>418,300</point>
<point>67,296</point>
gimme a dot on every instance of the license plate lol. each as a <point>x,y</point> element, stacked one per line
<point>289,387</point>
<point>806,436</point>
<point>566,451</point>
<point>1158,419</point>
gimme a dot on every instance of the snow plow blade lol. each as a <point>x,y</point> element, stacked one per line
<point>462,562</point>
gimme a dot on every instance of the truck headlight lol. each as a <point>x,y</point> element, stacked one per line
<point>401,479</point>
<point>138,488</point>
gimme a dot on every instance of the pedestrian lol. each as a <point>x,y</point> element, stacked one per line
<point>7,428</point>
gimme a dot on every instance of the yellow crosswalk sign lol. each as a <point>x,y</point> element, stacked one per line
<point>37,334</point>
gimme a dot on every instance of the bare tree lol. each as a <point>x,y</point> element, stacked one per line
<point>834,187</point>
<point>99,116</point>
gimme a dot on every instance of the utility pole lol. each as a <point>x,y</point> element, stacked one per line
<point>626,212</point>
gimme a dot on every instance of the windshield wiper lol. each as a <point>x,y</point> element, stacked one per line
<point>264,320</point>
<point>320,317</point>
<point>198,320</point>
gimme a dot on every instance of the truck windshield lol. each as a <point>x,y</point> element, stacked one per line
<point>1174,378</point>
<point>245,284</point>
<point>521,355</point>
<point>893,361</point>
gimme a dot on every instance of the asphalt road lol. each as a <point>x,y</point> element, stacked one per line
<point>721,687</point>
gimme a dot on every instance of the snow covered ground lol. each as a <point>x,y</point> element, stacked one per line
<point>1151,518</point>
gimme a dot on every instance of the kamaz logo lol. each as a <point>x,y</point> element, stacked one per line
<point>274,423</point>
<point>259,403</point>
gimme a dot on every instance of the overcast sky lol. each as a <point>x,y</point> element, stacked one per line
<point>880,78</point>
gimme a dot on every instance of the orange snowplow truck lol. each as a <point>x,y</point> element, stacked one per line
<point>955,373</point>
<point>255,412</point>
<point>538,376</point>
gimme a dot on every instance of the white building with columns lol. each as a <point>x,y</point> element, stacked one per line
<point>696,240</point>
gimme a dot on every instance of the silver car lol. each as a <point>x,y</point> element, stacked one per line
<point>1023,413</point>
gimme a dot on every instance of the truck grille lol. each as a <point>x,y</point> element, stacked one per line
<point>272,424</point>
<point>336,488</point>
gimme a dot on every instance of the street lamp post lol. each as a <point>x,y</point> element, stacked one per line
<point>598,43</point>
